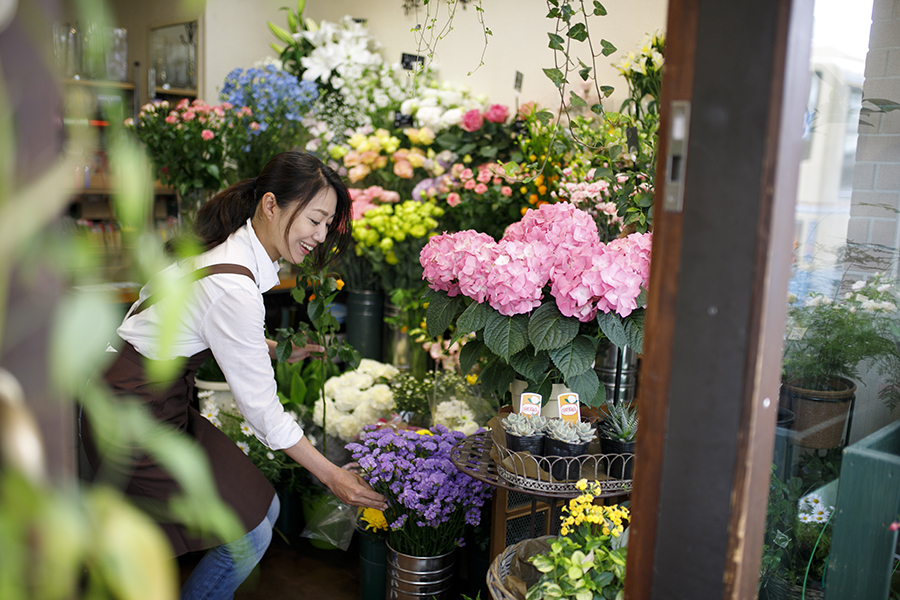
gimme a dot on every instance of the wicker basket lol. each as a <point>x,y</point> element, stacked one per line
<point>496,576</point>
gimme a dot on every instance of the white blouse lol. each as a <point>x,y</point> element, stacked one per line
<point>226,314</point>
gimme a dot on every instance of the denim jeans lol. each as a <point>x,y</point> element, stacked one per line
<point>225,567</point>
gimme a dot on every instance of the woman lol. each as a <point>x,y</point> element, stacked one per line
<point>296,209</point>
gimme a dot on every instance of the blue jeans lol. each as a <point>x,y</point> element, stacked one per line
<point>225,567</point>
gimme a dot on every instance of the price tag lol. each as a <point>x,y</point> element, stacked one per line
<point>569,409</point>
<point>797,333</point>
<point>408,61</point>
<point>518,83</point>
<point>530,404</point>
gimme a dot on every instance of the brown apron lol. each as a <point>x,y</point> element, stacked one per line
<point>240,484</point>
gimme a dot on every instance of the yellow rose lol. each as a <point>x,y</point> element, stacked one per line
<point>356,139</point>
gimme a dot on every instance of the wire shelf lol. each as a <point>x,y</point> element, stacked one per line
<point>546,476</point>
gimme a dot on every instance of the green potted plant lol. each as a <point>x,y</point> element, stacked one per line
<point>617,432</point>
<point>566,439</point>
<point>798,539</point>
<point>827,340</point>
<point>524,433</point>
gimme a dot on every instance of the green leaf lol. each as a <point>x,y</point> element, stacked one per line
<point>349,355</point>
<point>472,319</point>
<point>579,32</point>
<point>505,336</point>
<point>441,312</point>
<point>575,99</point>
<point>556,41</point>
<point>298,388</point>
<point>530,366</point>
<point>584,72</point>
<point>575,357</point>
<point>612,327</point>
<point>283,350</point>
<point>549,329</point>
<point>497,376</point>
<point>544,116</point>
<point>298,294</point>
<point>607,90</point>
<point>608,48</point>
<point>555,76</point>
<point>587,386</point>
<point>599,10</point>
<point>468,355</point>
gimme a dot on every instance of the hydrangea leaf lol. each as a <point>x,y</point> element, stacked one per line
<point>575,357</point>
<point>587,386</point>
<point>472,319</point>
<point>530,366</point>
<point>505,336</point>
<point>497,376</point>
<point>469,354</point>
<point>549,329</point>
<point>612,327</point>
<point>441,312</point>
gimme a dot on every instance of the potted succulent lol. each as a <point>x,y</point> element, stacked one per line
<point>567,439</point>
<point>826,341</point>
<point>617,432</point>
<point>524,433</point>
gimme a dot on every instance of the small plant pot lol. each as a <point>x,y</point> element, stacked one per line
<point>564,469</point>
<point>618,466</point>
<point>522,443</point>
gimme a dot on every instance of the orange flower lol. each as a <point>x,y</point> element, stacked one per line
<point>340,284</point>
<point>532,199</point>
<point>312,297</point>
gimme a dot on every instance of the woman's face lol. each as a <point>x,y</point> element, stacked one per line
<point>309,228</point>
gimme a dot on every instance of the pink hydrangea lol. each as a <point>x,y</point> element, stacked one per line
<point>577,285</point>
<point>519,274</point>
<point>472,120</point>
<point>497,113</point>
<point>437,263</point>
<point>459,262</point>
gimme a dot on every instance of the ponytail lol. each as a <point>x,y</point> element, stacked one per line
<point>226,213</point>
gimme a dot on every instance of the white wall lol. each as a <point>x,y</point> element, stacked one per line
<point>519,41</point>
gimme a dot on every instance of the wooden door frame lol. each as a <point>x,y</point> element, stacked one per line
<point>718,284</point>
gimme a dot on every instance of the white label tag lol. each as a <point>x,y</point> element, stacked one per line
<point>797,333</point>
<point>569,409</point>
<point>530,404</point>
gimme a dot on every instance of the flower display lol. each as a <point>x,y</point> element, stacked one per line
<point>479,198</point>
<point>587,560</point>
<point>441,106</point>
<point>281,471</point>
<point>188,142</point>
<point>500,289</point>
<point>456,415</point>
<point>355,399</point>
<point>643,72</point>
<point>277,102</point>
<point>391,237</point>
<point>429,500</point>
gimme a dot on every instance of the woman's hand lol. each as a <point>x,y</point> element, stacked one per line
<point>298,353</point>
<point>349,487</point>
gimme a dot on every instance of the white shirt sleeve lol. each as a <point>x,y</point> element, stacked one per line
<point>234,329</point>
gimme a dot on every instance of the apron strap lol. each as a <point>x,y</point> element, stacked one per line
<point>231,268</point>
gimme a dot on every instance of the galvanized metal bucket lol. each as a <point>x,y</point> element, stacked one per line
<point>420,578</point>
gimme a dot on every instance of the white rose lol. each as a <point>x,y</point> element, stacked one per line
<point>858,286</point>
<point>451,117</point>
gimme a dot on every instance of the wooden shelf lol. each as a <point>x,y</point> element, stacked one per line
<point>162,91</point>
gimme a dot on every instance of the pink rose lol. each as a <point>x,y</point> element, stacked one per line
<point>403,169</point>
<point>227,105</point>
<point>188,115</point>
<point>465,174</point>
<point>506,191</point>
<point>484,176</point>
<point>183,104</point>
<point>171,119</point>
<point>254,126</point>
<point>497,113</point>
<point>470,184</point>
<point>453,199</point>
<point>472,120</point>
<point>480,188</point>
<point>207,135</point>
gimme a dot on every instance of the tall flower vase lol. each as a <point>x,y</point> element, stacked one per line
<point>188,205</point>
<point>401,350</point>
<point>372,566</point>
<point>418,577</point>
<point>365,322</point>
<point>617,369</point>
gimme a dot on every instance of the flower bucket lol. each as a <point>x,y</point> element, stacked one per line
<point>365,322</point>
<point>372,566</point>
<point>420,577</point>
<point>821,414</point>
<point>617,369</point>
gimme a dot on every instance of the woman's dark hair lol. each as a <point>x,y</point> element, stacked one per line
<point>294,178</point>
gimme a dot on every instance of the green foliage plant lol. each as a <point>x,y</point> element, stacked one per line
<point>621,421</point>
<point>587,560</point>
<point>827,338</point>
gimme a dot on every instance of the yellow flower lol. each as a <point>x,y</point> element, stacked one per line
<point>532,199</point>
<point>338,152</point>
<point>374,519</point>
<point>542,190</point>
<point>581,485</point>
<point>356,140</point>
<point>472,378</point>
<point>340,284</point>
<point>467,159</point>
<point>523,190</point>
<point>424,432</point>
